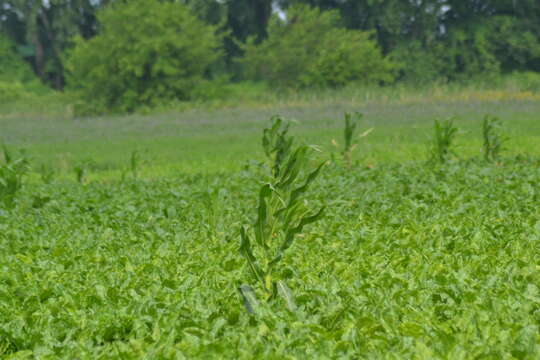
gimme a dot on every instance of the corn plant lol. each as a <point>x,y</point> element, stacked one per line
<point>493,140</point>
<point>47,173</point>
<point>351,122</point>
<point>134,164</point>
<point>445,133</point>
<point>80,172</point>
<point>11,174</point>
<point>282,213</point>
<point>277,144</point>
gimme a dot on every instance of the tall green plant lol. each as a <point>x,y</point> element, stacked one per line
<point>80,171</point>
<point>134,163</point>
<point>350,126</point>
<point>351,122</point>
<point>444,136</point>
<point>282,212</point>
<point>277,144</point>
<point>493,139</point>
<point>11,174</point>
<point>47,173</point>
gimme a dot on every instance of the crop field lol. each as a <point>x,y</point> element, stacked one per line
<point>198,235</point>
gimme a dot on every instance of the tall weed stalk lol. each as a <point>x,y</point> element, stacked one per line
<point>134,164</point>
<point>47,173</point>
<point>282,212</point>
<point>12,171</point>
<point>493,139</point>
<point>351,122</point>
<point>444,136</point>
<point>80,171</point>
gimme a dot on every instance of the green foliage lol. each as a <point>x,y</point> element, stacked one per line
<point>12,171</point>
<point>282,211</point>
<point>12,65</point>
<point>134,163</point>
<point>43,30</point>
<point>349,135</point>
<point>17,81</point>
<point>514,43</point>
<point>479,50</point>
<point>80,170</point>
<point>470,52</point>
<point>47,173</point>
<point>11,92</point>
<point>522,81</point>
<point>147,53</point>
<point>465,53</point>
<point>311,49</point>
<point>493,139</point>
<point>350,127</point>
<point>277,144</point>
<point>407,264</point>
<point>351,122</point>
<point>444,136</point>
<point>420,64</point>
<point>433,40</point>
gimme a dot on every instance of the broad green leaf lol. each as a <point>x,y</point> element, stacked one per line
<point>250,299</point>
<point>286,294</point>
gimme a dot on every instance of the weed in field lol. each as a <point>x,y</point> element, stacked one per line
<point>351,122</point>
<point>493,139</point>
<point>212,197</point>
<point>277,143</point>
<point>47,173</point>
<point>134,164</point>
<point>444,136</point>
<point>282,212</point>
<point>80,171</point>
<point>11,174</point>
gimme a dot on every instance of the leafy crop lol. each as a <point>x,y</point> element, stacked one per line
<point>282,211</point>
<point>406,263</point>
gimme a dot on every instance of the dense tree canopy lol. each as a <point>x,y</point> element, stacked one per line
<point>44,29</point>
<point>146,52</point>
<point>311,49</point>
<point>17,79</point>
<point>429,39</point>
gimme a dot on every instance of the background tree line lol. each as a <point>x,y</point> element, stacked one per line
<point>134,52</point>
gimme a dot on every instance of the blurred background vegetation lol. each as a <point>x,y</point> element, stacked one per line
<point>121,56</point>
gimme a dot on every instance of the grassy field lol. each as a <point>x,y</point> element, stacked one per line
<point>202,141</point>
<point>411,260</point>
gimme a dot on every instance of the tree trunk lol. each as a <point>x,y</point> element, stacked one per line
<point>39,56</point>
<point>262,10</point>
